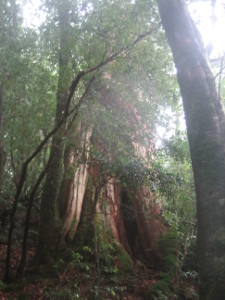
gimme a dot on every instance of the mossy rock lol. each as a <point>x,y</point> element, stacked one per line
<point>168,245</point>
<point>163,289</point>
<point>168,242</point>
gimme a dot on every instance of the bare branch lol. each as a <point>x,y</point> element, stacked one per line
<point>124,50</point>
<point>83,97</point>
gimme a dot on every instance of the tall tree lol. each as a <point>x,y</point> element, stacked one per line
<point>2,152</point>
<point>83,45</point>
<point>8,39</point>
<point>205,128</point>
<point>52,184</point>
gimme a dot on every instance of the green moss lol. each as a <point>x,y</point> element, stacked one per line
<point>168,248</point>
<point>23,296</point>
<point>167,245</point>
<point>62,294</point>
<point>17,286</point>
<point>162,290</point>
<point>124,260</point>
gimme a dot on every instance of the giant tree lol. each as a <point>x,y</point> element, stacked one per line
<point>86,40</point>
<point>205,128</point>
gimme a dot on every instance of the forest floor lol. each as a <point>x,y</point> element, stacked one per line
<point>72,277</point>
<point>75,275</point>
<point>71,281</point>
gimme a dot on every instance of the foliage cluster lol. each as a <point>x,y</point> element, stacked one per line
<point>30,102</point>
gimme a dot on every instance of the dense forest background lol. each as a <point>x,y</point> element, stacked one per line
<point>97,190</point>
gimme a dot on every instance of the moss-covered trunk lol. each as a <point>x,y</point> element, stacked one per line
<point>206,132</point>
<point>46,240</point>
<point>129,217</point>
<point>150,224</point>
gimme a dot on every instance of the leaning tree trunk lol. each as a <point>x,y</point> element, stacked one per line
<point>46,236</point>
<point>205,128</point>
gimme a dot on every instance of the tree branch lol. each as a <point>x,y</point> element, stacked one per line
<point>106,61</point>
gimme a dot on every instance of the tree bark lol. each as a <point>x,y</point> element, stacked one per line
<point>2,152</point>
<point>46,236</point>
<point>74,180</point>
<point>205,129</point>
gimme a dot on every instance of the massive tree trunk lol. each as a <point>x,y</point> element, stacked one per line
<point>46,240</point>
<point>74,180</point>
<point>90,198</point>
<point>92,201</point>
<point>128,216</point>
<point>205,128</point>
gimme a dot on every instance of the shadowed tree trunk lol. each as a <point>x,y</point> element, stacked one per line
<point>205,128</point>
<point>12,34</point>
<point>46,238</point>
<point>2,152</point>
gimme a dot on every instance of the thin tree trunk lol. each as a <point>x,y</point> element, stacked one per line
<point>2,152</point>
<point>21,267</point>
<point>205,128</point>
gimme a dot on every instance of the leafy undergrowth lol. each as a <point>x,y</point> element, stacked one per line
<point>74,280</point>
<point>110,274</point>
